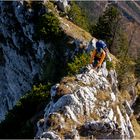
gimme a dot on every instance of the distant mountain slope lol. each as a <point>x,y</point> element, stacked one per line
<point>131,18</point>
<point>131,23</point>
<point>131,9</point>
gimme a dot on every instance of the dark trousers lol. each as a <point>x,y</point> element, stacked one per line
<point>95,61</point>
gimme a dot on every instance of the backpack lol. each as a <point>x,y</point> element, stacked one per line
<point>99,52</point>
<point>101,44</point>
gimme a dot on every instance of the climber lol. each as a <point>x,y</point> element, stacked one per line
<point>99,54</point>
<point>103,45</point>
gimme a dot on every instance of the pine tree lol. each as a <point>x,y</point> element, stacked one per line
<point>107,26</point>
<point>78,16</point>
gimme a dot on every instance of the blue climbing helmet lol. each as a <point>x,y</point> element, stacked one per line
<point>100,44</point>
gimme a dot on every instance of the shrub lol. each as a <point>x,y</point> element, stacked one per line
<point>124,70</point>
<point>78,63</point>
<point>78,16</point>
<point>109,65</point>
<point>19,122</point>
<point>48,27</point>
<point>125,67</point>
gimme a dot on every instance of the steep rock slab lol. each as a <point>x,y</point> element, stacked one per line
<point>21,53</point>
<point>85,106</point>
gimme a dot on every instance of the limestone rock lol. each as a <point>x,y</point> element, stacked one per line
<point>91,109</point>
<point>22,53</point>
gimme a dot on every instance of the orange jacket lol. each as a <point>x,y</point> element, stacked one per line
<point>101,59</point>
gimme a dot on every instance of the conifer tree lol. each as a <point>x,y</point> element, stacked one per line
<point>78,16</point>
<point>107,26</point>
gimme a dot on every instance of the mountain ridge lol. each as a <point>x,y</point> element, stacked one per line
<point>86,105</point>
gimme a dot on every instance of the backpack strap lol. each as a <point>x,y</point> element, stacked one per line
<point>99,52</point>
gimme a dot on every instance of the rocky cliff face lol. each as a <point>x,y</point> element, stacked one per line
<point>86,106</point>
<point>21,53</point>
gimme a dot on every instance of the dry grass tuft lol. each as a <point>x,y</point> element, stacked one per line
<point>53,122</point>
<point>68,79</point>
<point>62,90</point>
<point>138,88</point>
<point>74,31</point>
<point>29,3</point>
<point>94,116</point>
<point>124,95</point>
<point>103,96</point>
<point>136,127</point>
<point>66,130</point>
